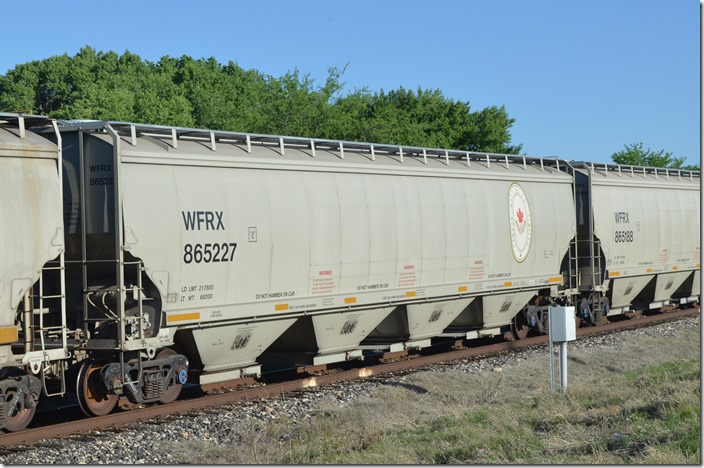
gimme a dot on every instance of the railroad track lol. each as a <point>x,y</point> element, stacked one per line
<point>209,397</point>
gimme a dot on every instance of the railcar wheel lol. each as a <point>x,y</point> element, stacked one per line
<point>577,321</point>
<point>174,390</point>
<point>20,418</point>
<point>519,326</point>
<point>93,397</point>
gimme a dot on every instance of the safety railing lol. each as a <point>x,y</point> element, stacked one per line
<point>639,171</point>
<point>131,132</point>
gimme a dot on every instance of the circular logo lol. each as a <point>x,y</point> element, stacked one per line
<point>183,376</point>
<point>519,221</point>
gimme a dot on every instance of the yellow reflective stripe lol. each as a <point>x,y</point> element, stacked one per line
<point>410,294</point>
<point>183,317</point>
<point>350,300</point>
<point>279,307</point>
<point>8,334</point>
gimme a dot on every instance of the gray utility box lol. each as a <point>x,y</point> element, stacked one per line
<point>562,324</point>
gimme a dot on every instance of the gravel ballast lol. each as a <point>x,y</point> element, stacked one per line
<point>153,442</point>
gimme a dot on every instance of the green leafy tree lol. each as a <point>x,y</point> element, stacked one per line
<point>19,87</point>
<point>205,94</point>
<point>635,155</point>
<point>294,105</point>
<point>420,118</point>
<point>491,132</point>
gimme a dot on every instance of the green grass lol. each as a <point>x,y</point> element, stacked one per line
<point>659,418</point>
<point>646,415</point>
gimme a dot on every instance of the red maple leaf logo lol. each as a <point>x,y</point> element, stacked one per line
<point>519,214</point>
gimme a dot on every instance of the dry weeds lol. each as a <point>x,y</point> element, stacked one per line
<point>638,403</point>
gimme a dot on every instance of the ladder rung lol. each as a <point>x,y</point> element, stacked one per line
<point>59,296</point>
<point>52,327</point>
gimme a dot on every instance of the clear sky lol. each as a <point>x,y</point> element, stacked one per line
<point>581,78</point>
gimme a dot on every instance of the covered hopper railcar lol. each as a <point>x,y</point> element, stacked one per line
<point>639,237</point>
<point>206,256</point>
<point>258,249</point>
<point>33,336</point>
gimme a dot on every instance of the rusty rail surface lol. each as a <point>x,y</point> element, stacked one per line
<point>123,417</point>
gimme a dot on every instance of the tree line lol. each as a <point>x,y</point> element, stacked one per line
<point>202,93</point>
<point>635,155</point>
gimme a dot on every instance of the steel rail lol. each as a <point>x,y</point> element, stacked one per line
<point>122,418</point>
